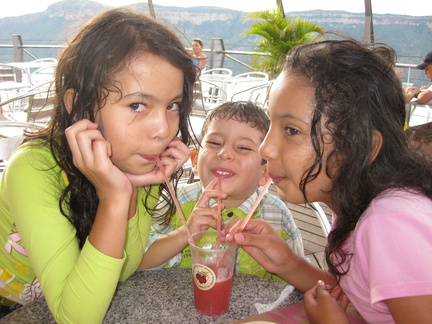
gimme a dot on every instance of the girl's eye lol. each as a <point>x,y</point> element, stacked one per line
<point>138,106</point>
<point>245,148</point>
<point>174,106</point>
<point>291,131</point>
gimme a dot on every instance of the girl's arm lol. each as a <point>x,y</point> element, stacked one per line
<point>78,284</point>
<point>91,155</point>
<point>202,62</point>
<point>170,244</point>
<point>406,310</point>
<point>263,243</point>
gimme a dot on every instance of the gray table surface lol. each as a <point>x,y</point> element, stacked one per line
<point>166,296</point>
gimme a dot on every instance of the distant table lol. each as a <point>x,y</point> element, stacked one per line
<point>166,296</point>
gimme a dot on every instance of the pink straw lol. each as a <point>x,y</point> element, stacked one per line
<point>254,206</point>
<point>242,224</point>
<point>174,197</point>
<point>219,220</point>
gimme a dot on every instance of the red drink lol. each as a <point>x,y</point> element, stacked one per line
<point>212,272</point>
<point>214,301</point>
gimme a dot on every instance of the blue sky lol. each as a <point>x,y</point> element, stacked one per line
<point>412,7</point>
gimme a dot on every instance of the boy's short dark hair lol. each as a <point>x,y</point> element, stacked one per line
<point>241,111</point>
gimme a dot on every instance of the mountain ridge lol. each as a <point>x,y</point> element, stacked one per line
<point>410,36</point>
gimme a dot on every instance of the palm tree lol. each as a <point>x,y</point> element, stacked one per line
<point>277,36</point>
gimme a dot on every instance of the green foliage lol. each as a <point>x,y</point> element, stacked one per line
<point>276,36</point>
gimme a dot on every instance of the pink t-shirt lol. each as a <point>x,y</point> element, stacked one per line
<point>392,253</point>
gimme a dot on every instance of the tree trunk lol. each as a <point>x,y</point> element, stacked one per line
<point>368,31</point>
<point>151,8</point>
<point>280,5</point>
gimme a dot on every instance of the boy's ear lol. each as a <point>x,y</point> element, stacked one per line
<point>194,160</point>
<point>264,177</point>
<point>68,99</point>
<point>376,145</point>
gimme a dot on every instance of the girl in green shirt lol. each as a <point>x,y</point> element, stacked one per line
<point>76,198</point>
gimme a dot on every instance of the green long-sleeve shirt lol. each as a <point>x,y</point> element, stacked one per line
<point>39,252</point>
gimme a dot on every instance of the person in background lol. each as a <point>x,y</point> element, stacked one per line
<point>76,198</point>
<point>231,136</point>
<point>424,93</point>
<point>399,73</point>
<point>199,58</point>
<point>336,136</point>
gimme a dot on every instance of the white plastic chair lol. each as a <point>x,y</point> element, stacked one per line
<point>46,60</point>
<point>258,94</point>
<point>223,71</point>
<point>11,136</point>
<point>34,105</point>
<point>43,75</point>
<point>10,73</point>
<point>322,218</point>
<point>419,114</point>
<point>256,75</point>
<point>212,93</point>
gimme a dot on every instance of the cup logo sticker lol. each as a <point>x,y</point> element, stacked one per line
<point>203,276</point>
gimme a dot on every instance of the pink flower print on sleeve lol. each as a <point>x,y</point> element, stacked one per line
<point>12,242</point>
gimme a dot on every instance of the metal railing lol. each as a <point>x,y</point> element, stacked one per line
<point>217,57</point>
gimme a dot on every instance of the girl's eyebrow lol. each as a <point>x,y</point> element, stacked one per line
<point>290,116</point>
<point>149,96</point>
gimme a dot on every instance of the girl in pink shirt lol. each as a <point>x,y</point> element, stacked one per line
<point>337,114</point>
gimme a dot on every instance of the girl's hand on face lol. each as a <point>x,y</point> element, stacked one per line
<point>172,158</point>
<point>203,216</point>
<point>325,306</point>
<point>91,155</point>
<point>262,242</point>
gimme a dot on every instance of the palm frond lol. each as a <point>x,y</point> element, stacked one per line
<point>277,35</point>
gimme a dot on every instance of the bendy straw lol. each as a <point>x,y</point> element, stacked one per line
<point>174,197</point>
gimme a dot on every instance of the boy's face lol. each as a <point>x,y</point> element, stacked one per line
<point>230,151</point>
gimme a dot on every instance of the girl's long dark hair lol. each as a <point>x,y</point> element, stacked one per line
<point>357,92</point>
<point>101,49</point>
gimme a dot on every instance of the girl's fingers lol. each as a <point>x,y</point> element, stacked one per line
<point>80,137</point>
<point>177,151</point>
<point>101,153</point>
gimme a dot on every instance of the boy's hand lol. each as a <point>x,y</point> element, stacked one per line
<point>323,305</point>
<point>203,216</point>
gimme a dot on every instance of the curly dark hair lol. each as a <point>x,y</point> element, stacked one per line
<point>356,93</point>
<point>100,50</point>
<point>241,111</point>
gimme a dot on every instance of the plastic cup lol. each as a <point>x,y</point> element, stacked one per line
<point>406,85</point>
<point>212,272</point>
